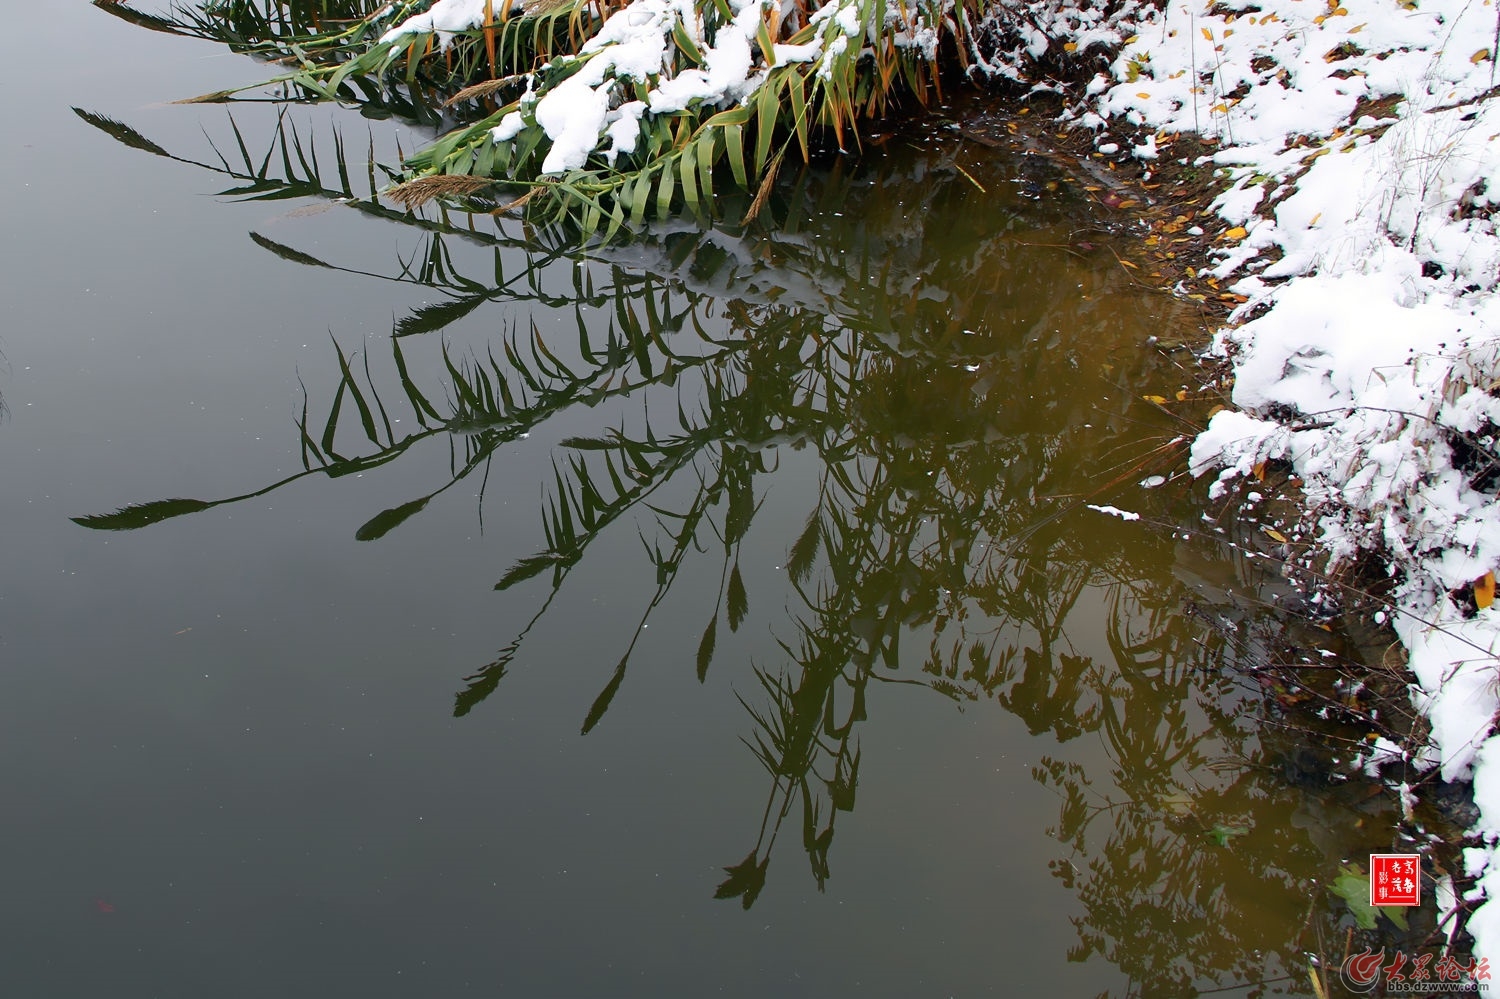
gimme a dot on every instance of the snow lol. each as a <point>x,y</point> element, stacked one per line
<point>726,75</point>
<point>596,110</point>
<point>1115,511</point>
<point>1371,339</point>
<point>446,18</point>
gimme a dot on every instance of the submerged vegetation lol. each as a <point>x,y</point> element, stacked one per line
<point>604,114</point>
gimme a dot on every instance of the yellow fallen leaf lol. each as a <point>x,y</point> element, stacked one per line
<point>1215,411</point>
<point>1143,95</point>
<point>1314,220</point>
<point>1484,590</point>
<point>1132,38</point>
<point>1480,56</point>
<point>1070,46</point>
<point>1275,535</point>
<point>1259,471</point>
<point>1208,34</point>
<point>1159,400</point>
<point>1182,395</point>
<point>1238,232</point>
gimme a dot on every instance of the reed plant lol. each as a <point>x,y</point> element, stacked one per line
<point>813,70</point>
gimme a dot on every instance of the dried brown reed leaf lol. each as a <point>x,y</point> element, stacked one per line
<point>415,193</point>
<point>517,204</point>
<point>764,193</point>
<point>217,97</point>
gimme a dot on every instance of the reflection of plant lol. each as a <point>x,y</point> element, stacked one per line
<point>891,359</point>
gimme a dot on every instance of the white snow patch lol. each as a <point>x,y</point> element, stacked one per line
<point>1115,511</point>
<point>448,17</point>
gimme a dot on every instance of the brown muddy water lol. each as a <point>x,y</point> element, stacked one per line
<point>809,672</point>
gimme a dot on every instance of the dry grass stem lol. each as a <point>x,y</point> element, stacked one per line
<point>518,204</point>
<point>764,194</point>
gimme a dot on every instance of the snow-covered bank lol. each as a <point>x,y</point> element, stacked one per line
<point>1357,142</point>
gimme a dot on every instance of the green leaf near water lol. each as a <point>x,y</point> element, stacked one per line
<point>1353,887</point>
<point>1223,834</point>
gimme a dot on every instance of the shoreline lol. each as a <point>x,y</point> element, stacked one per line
<point>1350,247</point>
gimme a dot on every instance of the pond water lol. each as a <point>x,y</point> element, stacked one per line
<point>809,671</point>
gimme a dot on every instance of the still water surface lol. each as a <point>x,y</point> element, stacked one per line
<point>807,673</point>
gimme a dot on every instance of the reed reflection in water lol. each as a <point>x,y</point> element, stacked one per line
<point>906,394</point>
